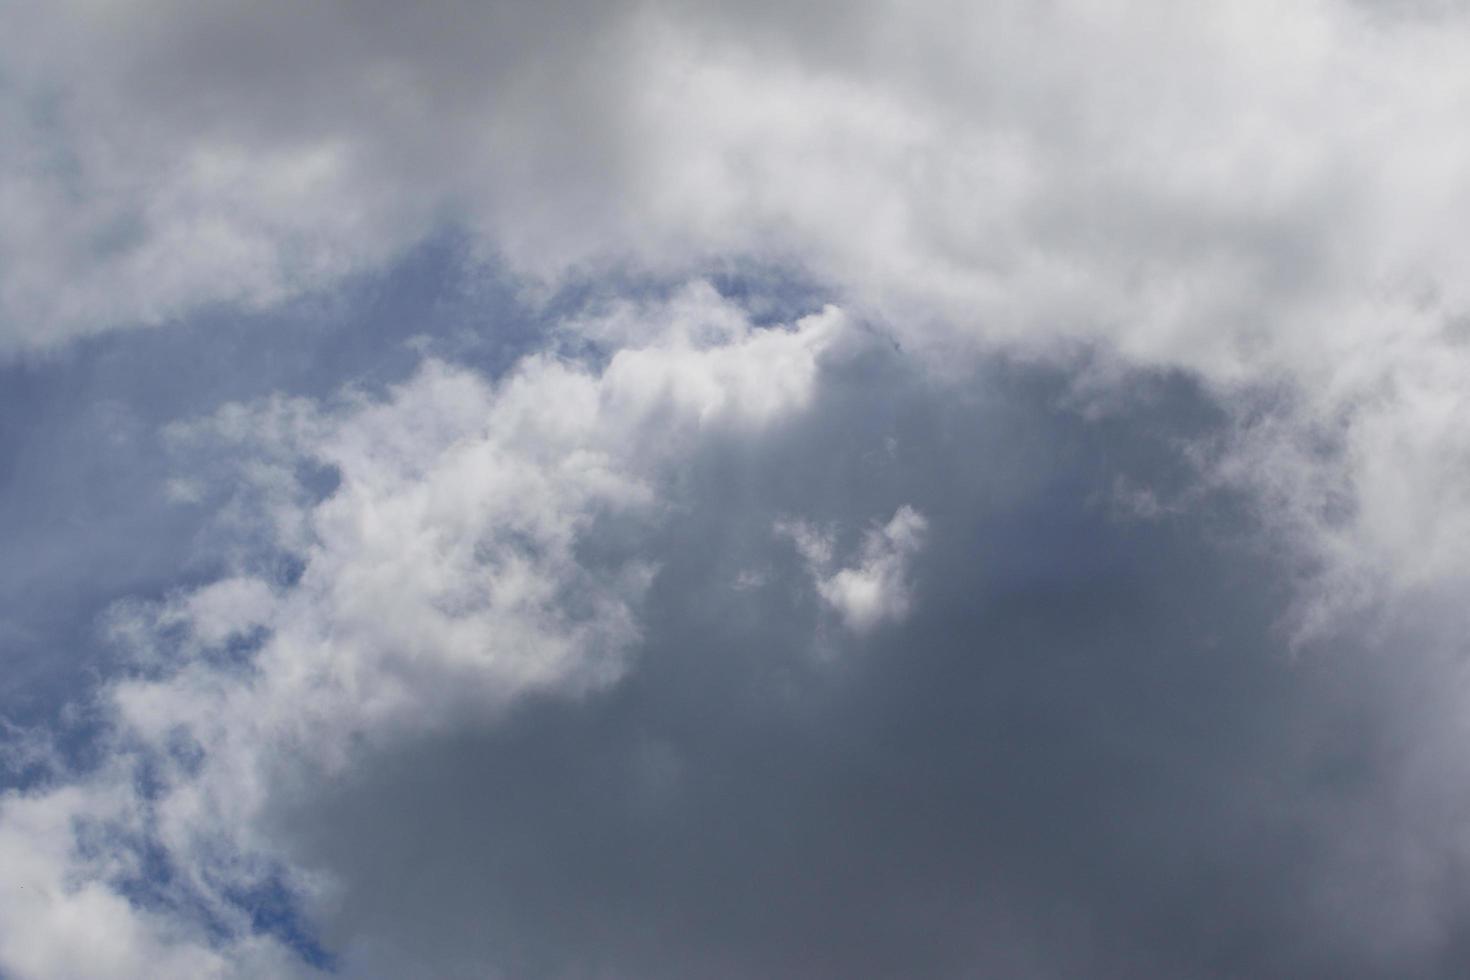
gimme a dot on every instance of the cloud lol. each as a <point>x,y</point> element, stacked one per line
<point>1252,194</point>
<point>1085,751</point>
<point>1006,196</point>
<point>875,590</point>
<point>441,579</point>
<point>1110,199</point>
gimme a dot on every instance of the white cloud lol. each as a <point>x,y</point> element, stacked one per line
<point>1259,195</point>
<point>441,580</point>
<point>1252,193</point>
<point>878,588</point>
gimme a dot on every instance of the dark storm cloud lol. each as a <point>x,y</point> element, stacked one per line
<point>1089,752</point>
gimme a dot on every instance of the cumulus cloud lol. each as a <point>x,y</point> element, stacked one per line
<point>877,589</point>
<point>1246,192</point>
<point>442,578</point>
<point>1249,198</point>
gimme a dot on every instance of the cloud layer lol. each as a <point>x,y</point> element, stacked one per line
<point>1252,193</point>
<point>1064,369</point>
<point>440,580</point>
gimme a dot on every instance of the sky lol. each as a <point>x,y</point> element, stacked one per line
<point>653,489</point>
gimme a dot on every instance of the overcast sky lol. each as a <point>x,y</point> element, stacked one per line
<point>652,489</point>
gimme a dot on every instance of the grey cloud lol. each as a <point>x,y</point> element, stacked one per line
<point>1191,265</point>
<point>1089,752</point>
<point>1253,193</point>
<point>1089,749</point>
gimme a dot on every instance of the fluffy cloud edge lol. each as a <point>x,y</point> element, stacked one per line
<point>439,582</point>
